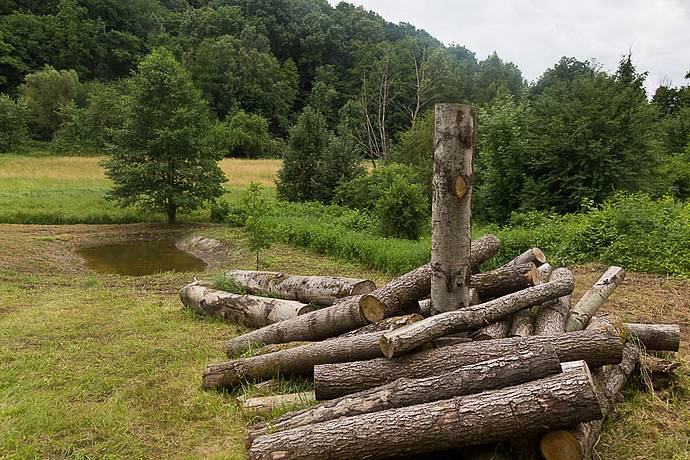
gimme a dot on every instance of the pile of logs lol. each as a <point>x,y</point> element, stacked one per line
<point>444,359</point>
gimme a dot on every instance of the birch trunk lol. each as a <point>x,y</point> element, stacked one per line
<point>590,302</point>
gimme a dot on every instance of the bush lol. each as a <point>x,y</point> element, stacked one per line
<point>340,163</point>
<point>246,134</point>
<point>364,192</point>
<point>402,210</point>
<point>14,118</point>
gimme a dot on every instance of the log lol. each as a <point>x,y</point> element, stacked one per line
<point>266,404</point>
<point>394,343</point>
<point>425,304</point>
<point>533,255</point>
<point>522,324</point>
<point>341,317</point>
<point>545,271</point>
<point>403,292</point>
<point>590,302</point>
<point>387,324</point>
<point>293,361</point>
<point>551,317</point>
<point>504,280</point>
<point>656,337</point>
<point>272,348</point>
<point>248,310</point>
<point>495,330</point>
<point>526,365</point>
<point>578,442</point>
<point>451,210</point>
<point>549,403</point>
<point>335,380</point>
<point>324,290</point>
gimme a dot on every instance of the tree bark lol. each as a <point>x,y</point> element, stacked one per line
<point>533,255</point>
<point>341,317</point>
<point>293,361</point>
<point>590,302</point>
<point>656,337</point>
<point>387,324</point>
<point>526,365</point>
<point>578,442</point>
<point>545,271</point>
<point>495,330</point>
<point>248,310</point>
<point>549,403</point>
<point>425,304</point>
<point>522,324</point>
<point>552,314</point>
<point>397,342</point>
<point>403,292</point>
<point>504,280</point>
<point>334,380</point>
<point>451,211</point>
<point>324,290</point>
<point>266,404</point>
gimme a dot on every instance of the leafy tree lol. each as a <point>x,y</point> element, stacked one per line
<point>324,93</point>
<point>162,158</point>
<point>246,134</point>
<point>14,118</point>
<point>340,162</point>
<point>364,191</point>
<point>297,180</point>
<point>402,210</point>
<point>415,148</point>
<point>45,92</point>
<point>494,75</point>
<point>256,209</point>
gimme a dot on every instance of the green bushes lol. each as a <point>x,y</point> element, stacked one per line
<point>402,210</point>
<point>14,118</point>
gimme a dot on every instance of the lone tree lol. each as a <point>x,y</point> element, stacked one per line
<point>163,158</point>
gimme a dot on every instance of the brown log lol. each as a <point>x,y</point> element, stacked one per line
<point>293,361</point>
<point>495,330</point>
<point>341,317</point>
<point>335,380</point>
<point>590,302</point>
<point>266,404</point>
<point>578,442</point>
<point>324,290</point>
<point>394,343</point>
<point>248,310</point>
<point>545,271</point>
<point>549,403</point>
<point>551,317</point>
<point>656,337</point>
<point>522,324</point>
<point>272,348</point>
<point>504,280</point>
<point>386,324</point>
<point>402,293</point>
<point>451,210</point>
<point>532,255</point>
<point>526,365</point>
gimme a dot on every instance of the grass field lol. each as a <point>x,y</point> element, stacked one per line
<point>105,366</point>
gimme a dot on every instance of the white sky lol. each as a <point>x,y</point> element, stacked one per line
<point>535,34</point>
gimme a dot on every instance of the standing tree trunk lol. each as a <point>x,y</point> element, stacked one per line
<point>396,342</point>
<point>550,403</point>
<point>334,380</point>
<point>523,366</point>
<point>451,213</point>
<point>590,302</point>
<point>552,314</point>
<point>248,310</point>
<point>324,290</point>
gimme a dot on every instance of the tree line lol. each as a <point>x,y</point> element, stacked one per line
<point>325,88</point>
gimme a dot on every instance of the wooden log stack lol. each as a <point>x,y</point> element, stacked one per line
<point>445,358</point>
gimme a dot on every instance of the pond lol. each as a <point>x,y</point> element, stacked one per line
<point>136,258</point>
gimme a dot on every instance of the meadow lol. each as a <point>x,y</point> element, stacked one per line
<point>105,366</point>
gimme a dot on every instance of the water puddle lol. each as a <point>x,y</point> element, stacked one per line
<point>136,258</point>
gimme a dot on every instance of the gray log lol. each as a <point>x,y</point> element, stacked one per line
<point>533,255</point>
<point>590,302</point>
<point>551,317</point>
<point>495,330</point>
<point>656,337</point>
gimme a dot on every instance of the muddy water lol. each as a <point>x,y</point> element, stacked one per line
<point>138,258</point>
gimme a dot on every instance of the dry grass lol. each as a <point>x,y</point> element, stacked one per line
<point>241,172</point>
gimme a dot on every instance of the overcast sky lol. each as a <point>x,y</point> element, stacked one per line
<point>535,34</point>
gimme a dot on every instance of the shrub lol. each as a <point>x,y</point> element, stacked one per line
<point>14,117</point>
<point>402,210</point>
<point>220,210</point>
<point>363,192</point>
<point>340,163</point>
<point>247,135</point>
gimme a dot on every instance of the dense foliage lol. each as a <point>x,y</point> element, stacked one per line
<point>14,118</point>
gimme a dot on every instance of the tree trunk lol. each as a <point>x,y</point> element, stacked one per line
<point>549,403</point>
<point>324,290</point>
<point>656,337</point>
<point>341,317</point>
<point>533,255</point>
<point>394,343</point>
<point>590,302</point>
<point>334,380</point>
<point>578,442</point>
<point>248,310</point>
<point>552,314</point>
<point>523,366</point>
<point>172,211</point>
<point>545,271</point>
<point>266,404</point>
<point>293,361</point>
<point>425,304</point>
<point>504,280</point>
<point>387,324</point>
<point>495,330</point>
<point>403,292</point>
<point>451,211</point>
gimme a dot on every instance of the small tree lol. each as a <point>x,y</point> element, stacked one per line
<point>13,123</point>
<point>402,210</point>
<point>256,209</point>
<point>162,158</point>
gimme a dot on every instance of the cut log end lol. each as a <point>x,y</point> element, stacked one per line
<point>539,255</point>
<point>533,275</point>
<point>560,445</point>
<point>363,287</point>
<point>387,347</point>
<point>372,308</point>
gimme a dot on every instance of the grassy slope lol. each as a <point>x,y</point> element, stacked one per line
<point>99,366</point>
